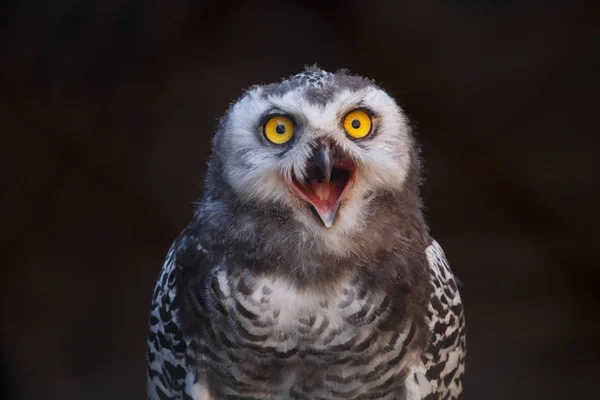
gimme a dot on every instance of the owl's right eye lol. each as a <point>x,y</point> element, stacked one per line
<point>279,129</point>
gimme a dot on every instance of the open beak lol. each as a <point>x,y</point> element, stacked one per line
<point>329,178</point>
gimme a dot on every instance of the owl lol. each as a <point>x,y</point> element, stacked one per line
<point>307,270</point>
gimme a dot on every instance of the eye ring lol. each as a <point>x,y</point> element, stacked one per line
<point>279,129</point>
<point>358,124</point>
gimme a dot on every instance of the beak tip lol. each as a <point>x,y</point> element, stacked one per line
<point>328,218</point>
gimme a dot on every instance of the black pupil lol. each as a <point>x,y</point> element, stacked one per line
<point>280,129</point>
<point>355,123</point>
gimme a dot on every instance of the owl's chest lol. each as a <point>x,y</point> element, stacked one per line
<point>275,318</point>
<point>266,335</point>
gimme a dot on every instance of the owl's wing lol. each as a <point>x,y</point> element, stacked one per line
<point>166,370</point>
<point>166,347</point>
<point>444,360</point>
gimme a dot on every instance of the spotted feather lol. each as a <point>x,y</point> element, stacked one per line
<point>443,367</point>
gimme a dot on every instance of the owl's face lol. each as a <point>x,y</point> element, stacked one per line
<point>321,145</point>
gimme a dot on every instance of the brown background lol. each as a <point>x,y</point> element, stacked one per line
<point>106,112</point>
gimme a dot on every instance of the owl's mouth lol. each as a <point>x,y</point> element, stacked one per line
<point>325,186</point>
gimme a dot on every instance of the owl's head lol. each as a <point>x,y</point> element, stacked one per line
<point>319,146</point>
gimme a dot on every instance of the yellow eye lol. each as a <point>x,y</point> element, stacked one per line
<point>279,129</point>
<point>358,124</point>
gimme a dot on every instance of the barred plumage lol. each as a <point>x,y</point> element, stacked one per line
<point>236,316</point>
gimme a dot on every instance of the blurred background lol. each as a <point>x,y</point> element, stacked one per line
<point>107,110</point>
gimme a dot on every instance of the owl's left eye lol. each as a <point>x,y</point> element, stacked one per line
<point>358,124</point>
<point>279,129</point>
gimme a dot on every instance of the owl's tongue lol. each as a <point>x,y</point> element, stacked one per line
<point>323,195</point>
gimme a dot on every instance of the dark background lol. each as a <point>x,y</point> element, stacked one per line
<point>107,110</point>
